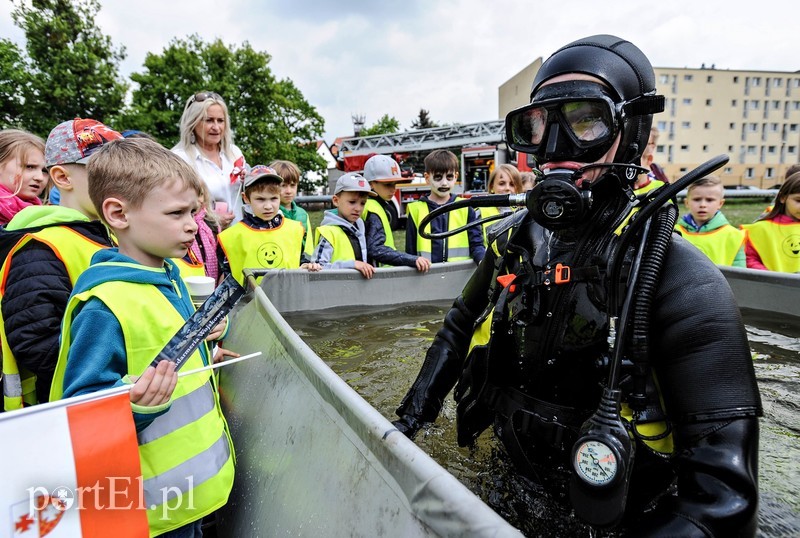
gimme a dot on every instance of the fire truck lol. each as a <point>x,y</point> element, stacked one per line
<point>480,146</point>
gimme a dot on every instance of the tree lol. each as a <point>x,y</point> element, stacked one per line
<point>13,79</point>
<point>385,125</point>
<point>271,119</point>
<point>423,120</point>
<point>73,68</point>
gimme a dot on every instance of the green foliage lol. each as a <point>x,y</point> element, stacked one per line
<point>72,68</point>
<point>13,79</point>
<point>385,125</point>
<point>423,120</point>
<point>270,118</point>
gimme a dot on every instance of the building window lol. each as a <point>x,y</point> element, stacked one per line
<point>736,80</point>
<point>733,102</point>
<point>792,127</point>
<point>728,169</point>
<point>688,78</point>
<point>756,81</point>
<point>705,147</point>
<point>663,79</point>
<point>791,149</point>
<point>748,172</point>
<point>685,147</point>
<point>770,172</point>
<point>776,105</point>
<point>709,78</point>
<point>751,150</point>
<point>733,125</point>
<point>754,104</point>
<point>662,126</point>
<point>686,124</point>
<point>683,170</point>
<point>660,148</point>
<point>795,105</point>
<point>687,100</point>
<point>777,82</point>
<point>773,127</point>
<point>771,149</point>
<point>708,102</point>
<point>707,125</point>
<point>730,149</point>
<point>753,127</point>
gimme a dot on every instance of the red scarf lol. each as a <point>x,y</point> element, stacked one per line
<point>11,204</point>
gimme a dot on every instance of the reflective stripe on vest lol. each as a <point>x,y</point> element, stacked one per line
<point>720,245</point>
<point>777,244</point>
<point>273,248</point>
<point>186,452</point>
<point>75,251</point>
<point>372,206</point>
<point>456,246</point>
<point>339,240</point>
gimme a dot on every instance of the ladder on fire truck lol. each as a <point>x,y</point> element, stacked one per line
<point>473,134</point>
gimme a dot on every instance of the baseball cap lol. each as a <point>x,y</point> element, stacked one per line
<point>259,172</point>
<point>74,141</point>
<point>382,168</point>
<point>352,182</point>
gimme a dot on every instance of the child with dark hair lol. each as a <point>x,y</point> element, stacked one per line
<point>773,241</point>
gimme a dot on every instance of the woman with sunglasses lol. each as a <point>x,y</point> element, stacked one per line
<point>607,353</point>
<point>207,145</point>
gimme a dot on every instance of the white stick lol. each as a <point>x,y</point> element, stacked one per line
<point>220,364</point>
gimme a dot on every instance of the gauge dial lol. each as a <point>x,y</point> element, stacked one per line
<point>596,463</point>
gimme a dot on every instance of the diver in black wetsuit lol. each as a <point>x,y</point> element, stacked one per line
<point>608,355</point>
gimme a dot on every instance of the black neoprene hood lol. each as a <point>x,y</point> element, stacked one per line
<point>622,66</point>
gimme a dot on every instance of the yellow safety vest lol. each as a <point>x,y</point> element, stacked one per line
<point>456,246</point>
<point>253,248</point>
<point>187,449</point>
<point>653,185</point>
<point>339,240</point>
<point>75,251</point>
<point>372,206</point>
<point>720,245</point>
<point>193,267</point>
<point>777,244</point>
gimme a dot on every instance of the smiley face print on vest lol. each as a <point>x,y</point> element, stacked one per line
<point>791,246</point>
<point>270,255</point>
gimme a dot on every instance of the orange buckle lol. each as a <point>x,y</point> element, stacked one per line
<point>563,273</point>
<point>505,280</point>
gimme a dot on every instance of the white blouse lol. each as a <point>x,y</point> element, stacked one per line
<point>224,184</point>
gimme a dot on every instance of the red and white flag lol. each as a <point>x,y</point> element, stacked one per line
<point>71,468</point>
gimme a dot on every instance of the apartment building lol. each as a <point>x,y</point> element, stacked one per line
<point>751,116</point>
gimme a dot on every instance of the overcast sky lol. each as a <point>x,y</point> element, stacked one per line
<point>447,56</point>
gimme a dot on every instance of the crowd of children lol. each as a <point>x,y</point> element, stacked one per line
<point>133,218</point>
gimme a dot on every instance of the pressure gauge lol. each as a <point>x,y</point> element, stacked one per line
<point>596,463</point>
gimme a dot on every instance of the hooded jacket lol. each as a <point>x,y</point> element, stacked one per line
<point>323,253</point>
<point>687,224</point>
<point>37,287</point>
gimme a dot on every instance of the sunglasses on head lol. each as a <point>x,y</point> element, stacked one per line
<point>202,96</point>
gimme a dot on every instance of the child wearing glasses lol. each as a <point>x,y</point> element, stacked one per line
<point>441,173</point>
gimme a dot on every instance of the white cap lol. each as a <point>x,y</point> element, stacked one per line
<point>352,182</point>
<point>382,168</point>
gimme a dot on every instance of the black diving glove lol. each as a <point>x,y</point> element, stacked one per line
<point>408,426</point>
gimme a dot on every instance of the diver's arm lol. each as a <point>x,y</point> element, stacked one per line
<point>702,361</point>
<point>445,358</point>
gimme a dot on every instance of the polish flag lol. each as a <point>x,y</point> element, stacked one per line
<point>71,468</point>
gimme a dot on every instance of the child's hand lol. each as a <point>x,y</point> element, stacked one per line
<point>221,353</point>
<point>217,331</point>
<point>312,267</point>
<point>155,386</point>
<point>365,269</point>
<point>423,264</point>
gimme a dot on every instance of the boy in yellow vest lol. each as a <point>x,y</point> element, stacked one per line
<point>264,238</point>
<point>42,267</point>
<point>441,173</point>
<point>124,309</point>
<point>290,174</point>
<point>383,173</point>
<point>707,228</point>
<point>341,237</point>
